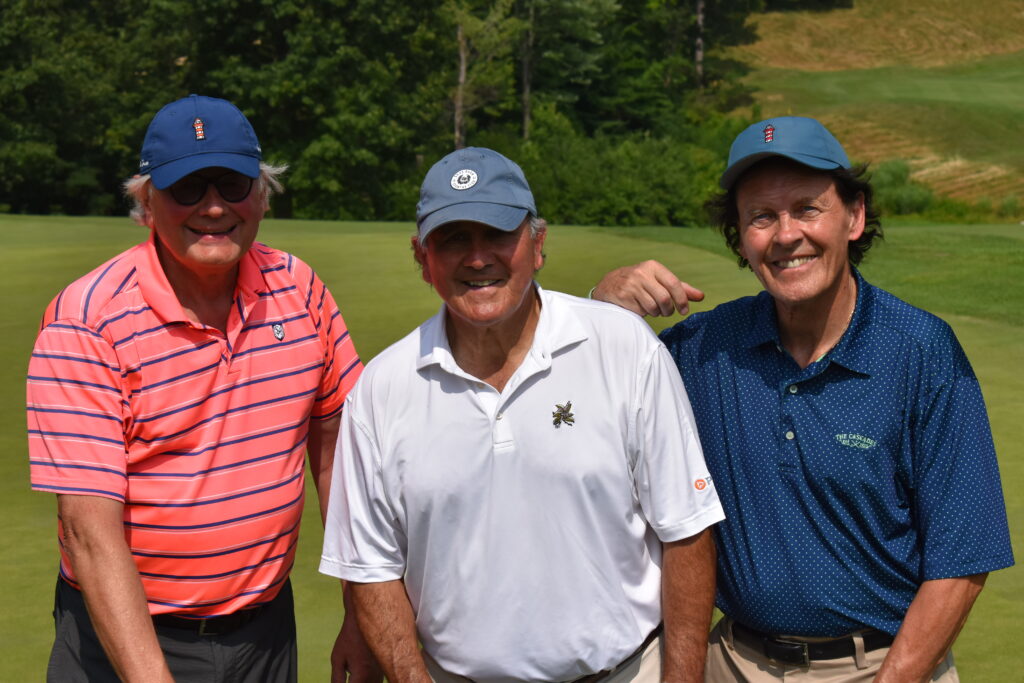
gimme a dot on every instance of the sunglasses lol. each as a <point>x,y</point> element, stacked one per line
<point>232,186</point>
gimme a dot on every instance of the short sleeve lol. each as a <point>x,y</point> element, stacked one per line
<point>76,411</point>
<point>363,540</point>
<point>342,366</point>
<point>958,503</point>
<point>676,491</point>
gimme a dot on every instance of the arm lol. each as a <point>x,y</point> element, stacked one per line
<point>387,622</point>
<point>934,620</point>
<point>687,598</point>
<point>323,437</point>
<point>350,657</point>
<point>648,288</point>
<point>103,565</point>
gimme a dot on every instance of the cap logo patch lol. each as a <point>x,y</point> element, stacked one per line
<point>464,179</point>
<point>198,125</point>
<point>769,133</point>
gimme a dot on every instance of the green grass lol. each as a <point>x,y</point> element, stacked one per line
<point>966,274</point>
<point>933,82</point>
<point>970,110</point>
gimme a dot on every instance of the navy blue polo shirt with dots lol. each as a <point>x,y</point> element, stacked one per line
<point>848,483</point>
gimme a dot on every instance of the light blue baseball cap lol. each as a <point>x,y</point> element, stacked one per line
<point>799,138</point>
<point>474,184</point>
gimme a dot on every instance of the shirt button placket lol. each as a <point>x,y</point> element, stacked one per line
<point>789,456</point>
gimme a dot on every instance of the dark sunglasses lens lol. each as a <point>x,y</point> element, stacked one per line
<point>189,190</point>
<point>234,187</point>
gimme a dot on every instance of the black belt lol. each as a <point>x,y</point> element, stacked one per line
<point>210,626</point>
<point>590,678</point>
<point>801,652</point>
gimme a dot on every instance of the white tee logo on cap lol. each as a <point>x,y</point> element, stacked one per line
<point>464,179</point>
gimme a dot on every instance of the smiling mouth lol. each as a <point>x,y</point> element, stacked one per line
<point>794,262</point>
<point>201,233</point>
<point>479,284</point>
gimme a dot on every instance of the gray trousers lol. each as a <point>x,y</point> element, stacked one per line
<point>261,650</point>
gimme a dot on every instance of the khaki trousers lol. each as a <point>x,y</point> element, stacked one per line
<point>731,661</point>
<point>645,668</point>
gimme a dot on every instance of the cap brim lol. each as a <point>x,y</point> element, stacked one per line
<point>733,173</point>
<point>499,216</point>
<point>167,174</point>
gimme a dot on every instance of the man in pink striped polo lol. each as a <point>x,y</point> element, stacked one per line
<point>172,395</point>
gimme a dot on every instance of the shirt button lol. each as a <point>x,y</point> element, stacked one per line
<point>792,388</point>
<point>790,436</point>
<point>499,416</point>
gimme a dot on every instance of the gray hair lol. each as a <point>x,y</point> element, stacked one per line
<point>140,187</point>
<point>537,226</point>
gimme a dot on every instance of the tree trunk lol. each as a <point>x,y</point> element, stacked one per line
<point>698,50</point>
<point>460,114</point>
<point>527,74</point>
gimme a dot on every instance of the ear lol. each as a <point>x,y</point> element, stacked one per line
<point>858,213</point>
<point>538,249</point>
<point>146,200</point>
<point>419,252</point>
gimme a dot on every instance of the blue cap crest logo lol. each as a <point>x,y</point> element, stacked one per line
<point>464,179</point>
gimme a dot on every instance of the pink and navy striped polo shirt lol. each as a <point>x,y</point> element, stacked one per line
<point>201,435</point>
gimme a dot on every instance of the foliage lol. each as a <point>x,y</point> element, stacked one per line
<point>897,194</point>
<point>359,96</point>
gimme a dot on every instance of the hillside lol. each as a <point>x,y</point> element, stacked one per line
<point>939,83</point>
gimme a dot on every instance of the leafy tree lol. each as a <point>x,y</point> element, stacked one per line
<point>485,44</point>
<point>560,51</point>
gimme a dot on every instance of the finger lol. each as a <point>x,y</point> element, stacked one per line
<point>693,293</point>
<point>644,304</point>
<point>678,294</point>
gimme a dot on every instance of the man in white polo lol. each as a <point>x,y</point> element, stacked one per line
<point>522,488</point>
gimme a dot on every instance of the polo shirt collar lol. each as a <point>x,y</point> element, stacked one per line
<point>853,351</point>
<point>558,328</point>
<point>157,292</point>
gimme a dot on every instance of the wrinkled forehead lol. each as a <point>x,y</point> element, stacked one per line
<point>778,175</point>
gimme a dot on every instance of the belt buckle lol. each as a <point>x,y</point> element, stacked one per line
<point>203,631</point>
<point>799,651</point>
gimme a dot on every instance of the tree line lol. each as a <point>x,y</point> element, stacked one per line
<point>615,108</point>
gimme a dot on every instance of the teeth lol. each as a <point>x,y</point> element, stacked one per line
<point>481,283</point>
<point>793,263</point>
<point>212,232</point>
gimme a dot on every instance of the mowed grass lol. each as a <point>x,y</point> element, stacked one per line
<point>969,275</point>
<point>970,110</point>
<point>935,82</point>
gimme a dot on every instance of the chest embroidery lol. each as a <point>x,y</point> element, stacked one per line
<point>856,441</point>
<point>563,414</point>
<point>278,331</point>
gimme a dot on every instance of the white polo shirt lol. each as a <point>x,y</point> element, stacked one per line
<point>530,550</point>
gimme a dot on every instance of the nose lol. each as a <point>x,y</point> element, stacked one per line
<point>789,231</point>
<point>479,255</point>
<point>212,204</point>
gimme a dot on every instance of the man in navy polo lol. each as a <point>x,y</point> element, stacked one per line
<point>845,430</point>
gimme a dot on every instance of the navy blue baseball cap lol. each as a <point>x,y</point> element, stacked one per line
<point>474,184</point>
<point>799,138</point>
<point>198,132</point>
